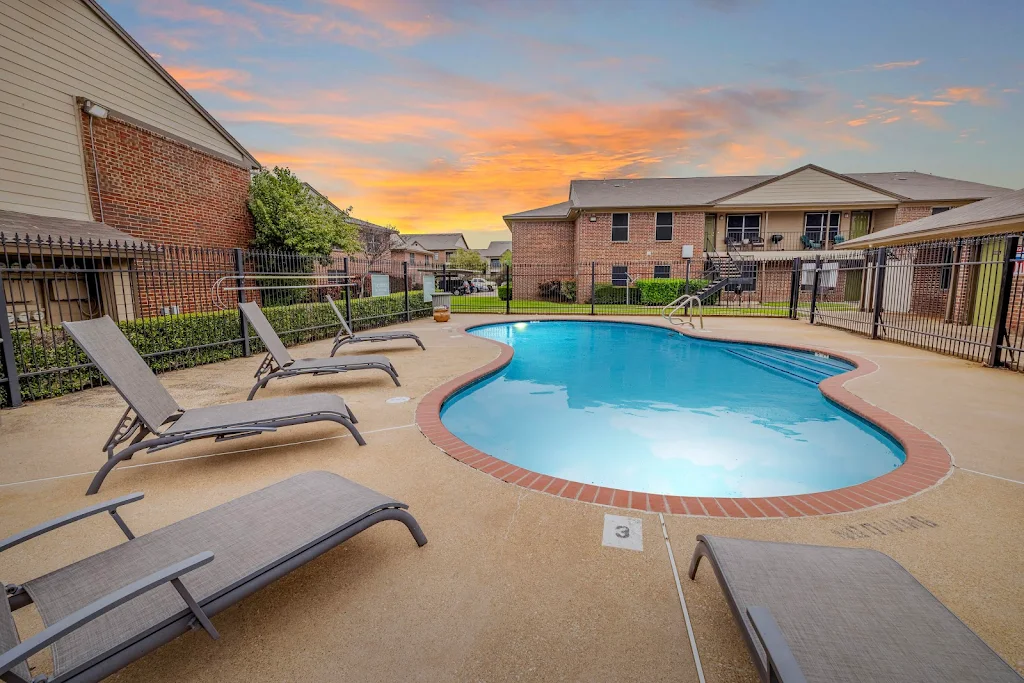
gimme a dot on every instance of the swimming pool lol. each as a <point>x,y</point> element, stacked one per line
<point>645,408</point>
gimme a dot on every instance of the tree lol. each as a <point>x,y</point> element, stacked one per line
<point>288,217</point>
<point>376,242</point>
<point>466,259</point>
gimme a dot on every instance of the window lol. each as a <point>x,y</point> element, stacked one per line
<point>620,227</point>
<point>821,226</point>
<point>663,226</point>
<point>946,274</point>
<point>662,271</point>
<point>412,259</point>
<point>620,275</point>
<point>495,264</point>
<point>940,209</point>
<point>739,227</point>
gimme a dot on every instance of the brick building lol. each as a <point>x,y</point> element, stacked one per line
<point>95,132</point>
<point>640,227</point>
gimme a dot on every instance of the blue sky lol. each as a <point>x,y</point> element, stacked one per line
<point>441,116</point>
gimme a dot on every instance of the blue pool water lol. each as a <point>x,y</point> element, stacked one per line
<point>648,409</point>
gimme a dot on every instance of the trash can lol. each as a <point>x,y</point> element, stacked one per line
<point>442,306</point>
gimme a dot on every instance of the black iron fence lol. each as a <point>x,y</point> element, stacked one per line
<point>177,305</point>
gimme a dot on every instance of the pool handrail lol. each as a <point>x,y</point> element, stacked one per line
<point>686,300</point>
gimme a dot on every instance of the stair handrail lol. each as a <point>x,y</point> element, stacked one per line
<point>685,300</point>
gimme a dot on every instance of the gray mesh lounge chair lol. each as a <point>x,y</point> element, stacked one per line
<point>347,336</point>
<point>153,411</point>
<point>279,364</point>
<point>108,610</point>
<point>838,615</point>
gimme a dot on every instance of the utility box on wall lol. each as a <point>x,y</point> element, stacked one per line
<point>687,251</point>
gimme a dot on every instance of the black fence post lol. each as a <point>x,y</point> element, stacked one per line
<point>240,271</point>
<point>876,300</point>
<point>794,288</point>
<point>405,278</point>
<point>1002,310</point>
<point>814,290</point>
<point>593,284</point>
<point>508,289</point>
<point>348,291</point>
<point>7,360</point>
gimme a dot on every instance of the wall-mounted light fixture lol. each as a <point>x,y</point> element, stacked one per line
<point>93,109</point>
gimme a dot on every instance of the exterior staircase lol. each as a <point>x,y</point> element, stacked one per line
<point>720,273</point>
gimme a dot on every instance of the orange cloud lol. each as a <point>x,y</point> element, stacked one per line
<point>972,95</point>
<point>222,81</point>
<point>889,66</point>
<point>179,10</point>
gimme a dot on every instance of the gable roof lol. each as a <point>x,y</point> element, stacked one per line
<point>559,210</point>
<point>148,58</point>
<point>495,249</point>
<point>987,216</point>
<point>855,190</point>
<point>708,191</point>
<point>439,241</point>
<point>400,243</point>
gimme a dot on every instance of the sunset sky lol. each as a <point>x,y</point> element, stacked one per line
<point>442,116</point>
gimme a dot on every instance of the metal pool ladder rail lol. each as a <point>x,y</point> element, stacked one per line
<point>686,300</point>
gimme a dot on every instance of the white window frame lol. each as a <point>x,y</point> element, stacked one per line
<point>745,232</point>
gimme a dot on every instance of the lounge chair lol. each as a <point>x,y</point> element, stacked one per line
<point>153,411</point>
<point>816,613</point>
<point>107,610</point>
<point>347,336</point>
<point>279,364</point>
<point>809,243</point>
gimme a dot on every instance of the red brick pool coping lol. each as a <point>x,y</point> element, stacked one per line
<point>927,461</point>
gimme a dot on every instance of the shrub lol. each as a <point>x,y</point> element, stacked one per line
<point>613,294</point>
<point>505,292</point>
<point>662,291</point>
<point>163,339</point>
<point>563,290</point>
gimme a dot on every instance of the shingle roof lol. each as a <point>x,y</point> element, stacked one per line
<point>1005,209</point>
<point>707,191</point>
<point>657,192</point>
<point>927,187</point>
<point>26,225</point>
<point>438,240</point>
<point>495,249</point>
<point>400,243</point>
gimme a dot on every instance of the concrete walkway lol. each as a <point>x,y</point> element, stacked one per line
<point>513,585</point>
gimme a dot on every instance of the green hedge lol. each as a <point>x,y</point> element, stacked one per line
<point>662,291</point>
<point>613,294</point>
<point>167,335</point>
<point>504,292</point>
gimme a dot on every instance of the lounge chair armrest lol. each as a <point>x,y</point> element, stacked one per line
<point>98,608</point>
<point>782,665</point>
<point>40,529</point>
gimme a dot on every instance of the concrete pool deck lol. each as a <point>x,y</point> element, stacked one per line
<point>514,584</point>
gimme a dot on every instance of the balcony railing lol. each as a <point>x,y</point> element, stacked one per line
<point>772,240</point>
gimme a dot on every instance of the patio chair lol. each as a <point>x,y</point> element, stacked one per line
<point>153,411</point>
<point>816,613</point>
<point>103,612</point>
<point>346,336</point>
<point>279,364</point>
<point>757,242</point>
<point>809,243</point>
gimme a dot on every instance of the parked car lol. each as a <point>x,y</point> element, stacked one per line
<point>483,285</point>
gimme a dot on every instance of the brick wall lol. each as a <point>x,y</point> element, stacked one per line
<point>164,191</point>
<point>541,251</point>
<point>911,212</point>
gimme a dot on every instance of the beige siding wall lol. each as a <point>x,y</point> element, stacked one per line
<point>50,52</point>
<point>807,187</point>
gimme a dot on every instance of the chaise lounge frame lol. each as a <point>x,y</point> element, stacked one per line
<point>345,334</point>
<point>196,612</point>
<point>152,411</point>
<point>279,364</point>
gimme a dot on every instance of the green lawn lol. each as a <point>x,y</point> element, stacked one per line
<point>479,304</point>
